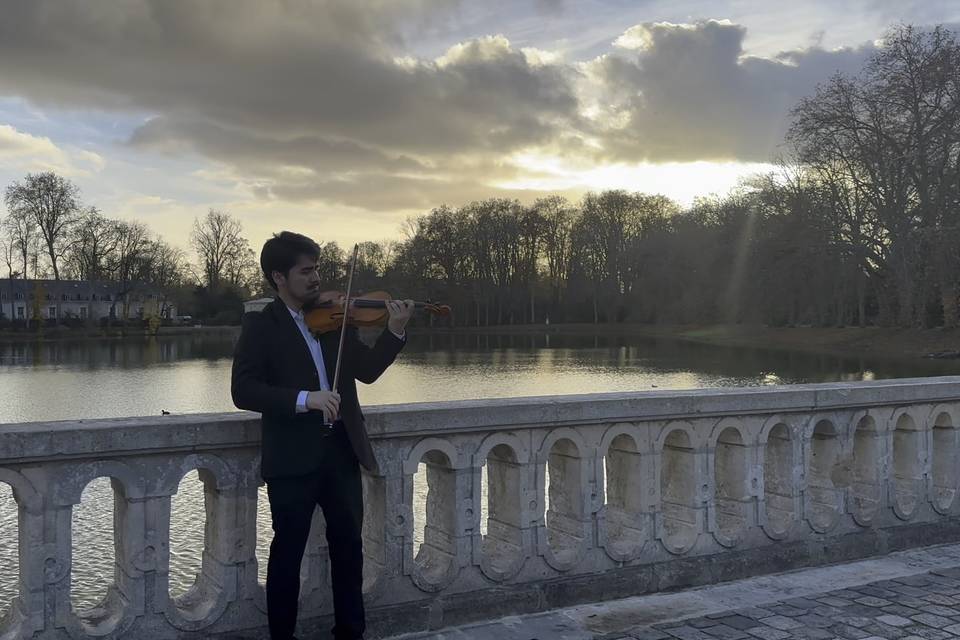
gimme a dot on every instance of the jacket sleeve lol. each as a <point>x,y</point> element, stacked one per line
<point>368,363</point>
<point>249,385</point>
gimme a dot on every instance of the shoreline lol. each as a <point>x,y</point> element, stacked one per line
<point>62,334</point>
<point>887,342</point>
<point>855,341</point>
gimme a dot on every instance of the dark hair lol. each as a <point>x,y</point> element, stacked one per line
<point>282,251</point>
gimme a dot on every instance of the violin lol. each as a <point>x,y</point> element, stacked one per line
<point>327,313</point>
<point>370,310</point>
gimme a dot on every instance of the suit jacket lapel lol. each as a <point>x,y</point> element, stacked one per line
<point>292,335</point>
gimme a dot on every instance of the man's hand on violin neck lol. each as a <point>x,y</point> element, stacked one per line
<point>326,401</point>
<point>400,312</point>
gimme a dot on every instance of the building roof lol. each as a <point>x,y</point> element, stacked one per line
<point>73,287</point>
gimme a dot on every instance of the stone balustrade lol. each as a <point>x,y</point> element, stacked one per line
<point>530,503</point>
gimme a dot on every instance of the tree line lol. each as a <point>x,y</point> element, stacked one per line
<point>859,225</point>
<point>48,233</point>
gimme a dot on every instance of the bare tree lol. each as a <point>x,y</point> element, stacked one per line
<point>331,266</point>
<point>220,246</point>
<point>51,201</point>
<point>8,251</point>
<point>166,264</point>
<point>558,220</point>
<point>371,265</point>
<point>242,270</point>
<point>443,232</point>
<point>21,230</point>
<point>93,242</point>
<point>129,262</point>
<point>893,135</point>
<point>166,269</point>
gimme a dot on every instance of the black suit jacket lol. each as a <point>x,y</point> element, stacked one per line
<point>272,364</point>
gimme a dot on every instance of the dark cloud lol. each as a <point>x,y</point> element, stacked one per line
<point>316,99</point>
<point>385,192</point>
<point>284,69</point>
<point>550,6</point>
<point>687,92</point>
<point>252,151</point>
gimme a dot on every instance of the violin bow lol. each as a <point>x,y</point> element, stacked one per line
<point>346,312</point>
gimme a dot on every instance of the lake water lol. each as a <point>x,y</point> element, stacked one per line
<point>59,380</point>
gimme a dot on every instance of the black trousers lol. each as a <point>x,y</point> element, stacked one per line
<point>336,488</point>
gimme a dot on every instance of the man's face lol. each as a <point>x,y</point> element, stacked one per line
<point>302,283</point>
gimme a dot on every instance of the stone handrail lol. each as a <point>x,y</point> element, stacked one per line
<point>531,503</point>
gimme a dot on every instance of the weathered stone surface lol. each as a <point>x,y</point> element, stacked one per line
<point>734,625</point>
<point>531,503</point>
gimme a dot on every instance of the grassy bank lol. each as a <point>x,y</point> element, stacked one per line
<point>869,341</point>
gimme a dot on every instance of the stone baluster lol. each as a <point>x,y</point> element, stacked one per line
<point>634,483</point>
<point>374,535</point>
<point>566,531</point>
<point>398,520</point>
<point>26,614</point>
<point>500,552</point>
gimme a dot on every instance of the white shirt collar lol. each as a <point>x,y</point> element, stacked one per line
<point>297,315</point>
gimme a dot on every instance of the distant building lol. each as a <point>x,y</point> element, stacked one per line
<point>256,304</point>
<point>81,299</point>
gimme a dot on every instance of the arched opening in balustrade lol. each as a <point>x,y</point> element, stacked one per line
<point>732,481</point>
<point>778,486</point>
<point>94,552</point>
<point>623,489</point>
<point>564,502</point>
<point>945,466</point>
<point>187,510</point>
<point>678,490</point>
<point>434,516</point>
<point>823,496</point>
<point>865,469</point>
<point>374,533</point>
<point>264,533</point>
<point>907,464</point>
<point>500,520</point>
<point>10,551</point>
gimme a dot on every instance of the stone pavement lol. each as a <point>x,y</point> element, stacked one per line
<point>910,595</point>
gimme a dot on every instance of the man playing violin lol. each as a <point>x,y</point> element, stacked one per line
<point>313,437</point>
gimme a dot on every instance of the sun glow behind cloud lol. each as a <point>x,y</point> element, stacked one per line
<point>351,116</point>
<point>681,181</point>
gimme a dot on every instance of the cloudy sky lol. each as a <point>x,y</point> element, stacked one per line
<point>341,118</point>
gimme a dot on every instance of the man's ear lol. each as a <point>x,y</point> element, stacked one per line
<point>278,278</point>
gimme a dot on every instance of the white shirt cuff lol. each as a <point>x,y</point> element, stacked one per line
<point>302,402</point>
<point>400,336</point>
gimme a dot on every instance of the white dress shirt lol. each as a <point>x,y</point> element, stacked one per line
<point>317,353</point>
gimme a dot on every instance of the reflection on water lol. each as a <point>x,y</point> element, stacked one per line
<point>92,354</point>
<point>191,373</point>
